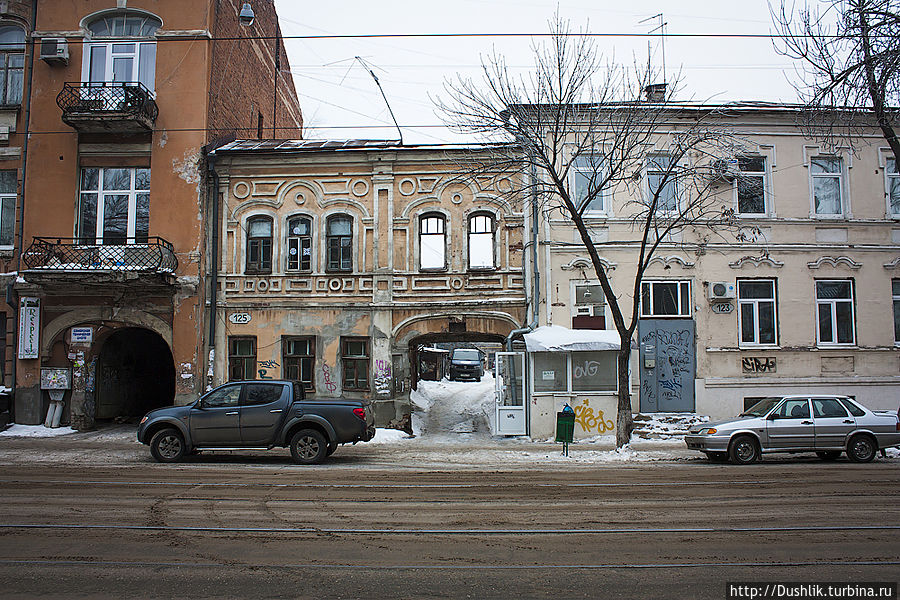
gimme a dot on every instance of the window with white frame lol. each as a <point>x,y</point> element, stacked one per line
<point>12,64</point>
<point>661,175</point>
<point>834,312</point>
<point>757,311</point>
<point>299,244</point>
<point>587,173</point>
<point>8,195</point>
<point>827,185</point>
<point>666,299</point>
<point>751,185</point>
<point>114,206</point>
<point>481,241</point>
<point>588,371</point>
<point>120,49</point>
<point>893,186</point>
<point>895,296</point>
<point>432,242</point>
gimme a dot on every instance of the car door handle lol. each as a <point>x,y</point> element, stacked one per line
<point>806,422</point>
<point>228,414</point>
<point>275,411</point>
<point>848,421</point>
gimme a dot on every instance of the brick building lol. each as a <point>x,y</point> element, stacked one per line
<point>127,98</point>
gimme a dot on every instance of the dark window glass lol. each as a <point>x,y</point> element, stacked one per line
<point>299,360</point>
<point>259,245</point>
<point>262,393</point>
<point>751,185</point>
<point>299,244</point>
<point>828,407</point>
<point>338,242</point>
<point>854,409</point>
<point>224,397</point>
<point>794,409</point>
<point>241,358</point>
<point>355,363</point>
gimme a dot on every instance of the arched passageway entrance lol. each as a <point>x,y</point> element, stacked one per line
<point>485,341</point>
<point>135,374</point>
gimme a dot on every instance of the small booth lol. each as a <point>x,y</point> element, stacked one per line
<point>433,363</point>
<point>575,367</point>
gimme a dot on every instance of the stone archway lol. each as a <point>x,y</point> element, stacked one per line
<point>135,374</point>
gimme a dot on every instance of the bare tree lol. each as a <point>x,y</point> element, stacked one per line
<point>575,112</point>
<point>849,60</point>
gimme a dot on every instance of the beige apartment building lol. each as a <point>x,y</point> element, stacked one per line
<point>339,261</point>
<point>808,301</point>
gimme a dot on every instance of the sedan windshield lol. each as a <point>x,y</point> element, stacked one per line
<point>761,408</point>
<point>466,355</point>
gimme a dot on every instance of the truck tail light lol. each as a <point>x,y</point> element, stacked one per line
<point>360,412</point>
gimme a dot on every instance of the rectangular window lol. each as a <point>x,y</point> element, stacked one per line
<point>756,311</point>
<point>432,242</point>
<point>593,371</point>
<point>661,175</point>
<point>551,372</point>
<point>12,69</point>
<point>8,195</point>
<point>128,62</point>
<point>259,245</point>
<point>481,242</point>
<point>893,187</point>
<point>587,179</point>
<point>828,200</point>
<point>299,360</point>
<point>751,185</point>
<point>834,311</point>
<point>895,294</point>
<point>114,206</point>
<point>666,299</point>
<point>299,244</point>
<point>355,363</point>
<point>241,358</point>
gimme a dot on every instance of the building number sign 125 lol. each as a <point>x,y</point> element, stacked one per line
<point>239,318</point>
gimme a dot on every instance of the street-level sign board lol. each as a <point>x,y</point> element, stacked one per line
<point>82,335</point>
<point>239,318</point>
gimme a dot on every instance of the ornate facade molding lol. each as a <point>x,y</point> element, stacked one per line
<point>756,261</point>
<point>834,261</point>
<point>668,261</point>
<point>894,264</point>
<point>583,263</point>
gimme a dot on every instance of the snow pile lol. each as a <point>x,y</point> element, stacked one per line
<point>453,407</point>
<point>389,436</point>
<point>664,426</point>
<point>35,431</point>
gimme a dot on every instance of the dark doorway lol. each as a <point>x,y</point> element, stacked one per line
<point>420,346</point>
<point>135,374</point>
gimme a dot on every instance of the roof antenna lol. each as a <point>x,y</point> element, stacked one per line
<point>372,73</point>
<point>662,37</point>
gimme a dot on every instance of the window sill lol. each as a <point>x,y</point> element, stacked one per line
<point>482,270</point>
<point>836,346</point>
<point>438,270</point>
<point>255,273</point>
<point>749,347</point>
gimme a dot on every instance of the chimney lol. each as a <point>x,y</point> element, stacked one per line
<point>656,92</point>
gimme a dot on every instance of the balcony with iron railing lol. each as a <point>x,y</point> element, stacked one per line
<point>107,106</point>
<point>135,255</point>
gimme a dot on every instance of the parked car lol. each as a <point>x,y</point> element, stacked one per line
<point>257,415</point>
<point>465,363</point>
<point>826,425</point>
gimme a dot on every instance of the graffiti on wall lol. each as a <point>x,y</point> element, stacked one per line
<point>383,376</point>
<point>754,364</point>
<point>588,369</point>
<point>591,423</point>
<point>330,385</point>
<point>264,366</point>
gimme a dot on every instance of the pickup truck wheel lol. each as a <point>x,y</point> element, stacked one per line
<point>861,448</point>
<point>308,447</point>
<point>828,455</point>
<point>744,450</point>
<point>167,445</point>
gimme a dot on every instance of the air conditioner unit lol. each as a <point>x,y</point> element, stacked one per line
<point>586,310</point>
<point>721,290</point>
<point>55,51</point>
<point>724,169</point>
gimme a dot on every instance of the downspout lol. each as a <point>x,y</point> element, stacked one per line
<point>213,263</point>
<point>536,276</point>
<point>21,210</point>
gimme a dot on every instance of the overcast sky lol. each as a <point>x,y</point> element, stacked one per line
<point>340,100</point>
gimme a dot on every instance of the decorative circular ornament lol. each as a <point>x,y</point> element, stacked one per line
<point>262,285</point>
<point>407,187</point>
<point>334,285</point>
<point>300,198</point>
<point>360,188</point>
<point>456,198</point>
<point>241,189</point>
<point>456,283</point>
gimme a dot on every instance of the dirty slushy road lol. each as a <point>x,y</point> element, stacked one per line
<point>86,519</point>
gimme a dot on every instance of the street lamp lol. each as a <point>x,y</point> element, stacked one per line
<point>246,17</point>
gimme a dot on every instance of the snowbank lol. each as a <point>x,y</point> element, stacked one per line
<point>35,431</point>
<point>454,407</point>
<point>553,338</point>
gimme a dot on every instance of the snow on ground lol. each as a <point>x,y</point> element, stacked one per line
<point>35,431</point>
<point>445,407</point>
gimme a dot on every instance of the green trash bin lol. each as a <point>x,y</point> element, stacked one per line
<point>565,429</point>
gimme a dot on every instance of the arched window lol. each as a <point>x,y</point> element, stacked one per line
<point>125,56</point>
<point>339,243</point>
<point>432,242</point>
<point>259,245</point>
<point>481,241</point>
<point>299,244</point>
<point>12,64</point>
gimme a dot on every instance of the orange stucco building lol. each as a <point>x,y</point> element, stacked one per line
<point>107,264</point>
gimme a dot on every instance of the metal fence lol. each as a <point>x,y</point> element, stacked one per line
<point>107,97</point>
<point>152,254</point>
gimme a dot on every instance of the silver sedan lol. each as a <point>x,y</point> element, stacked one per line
<point>826,425</point>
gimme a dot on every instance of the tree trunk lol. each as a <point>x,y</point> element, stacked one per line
<point>624,422</point>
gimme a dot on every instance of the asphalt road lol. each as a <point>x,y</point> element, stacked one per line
<point>110,523</point>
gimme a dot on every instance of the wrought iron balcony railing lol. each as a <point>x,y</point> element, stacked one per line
<point>144,255</point>
<point>101,99</point>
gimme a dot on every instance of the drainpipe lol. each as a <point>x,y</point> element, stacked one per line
<point>214,258</point>
<point>536,276</point>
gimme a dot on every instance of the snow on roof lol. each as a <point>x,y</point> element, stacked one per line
<point>553,338</point>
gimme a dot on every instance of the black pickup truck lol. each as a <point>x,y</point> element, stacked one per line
<point>257,415</point>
